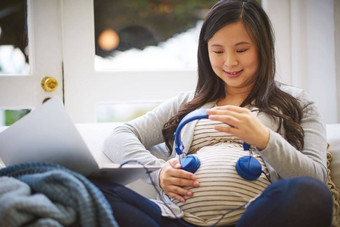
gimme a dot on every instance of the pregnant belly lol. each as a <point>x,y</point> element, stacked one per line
<point>221,188</point>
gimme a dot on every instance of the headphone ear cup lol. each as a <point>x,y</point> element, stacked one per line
<point>190,163</point>
<point>248,168</point>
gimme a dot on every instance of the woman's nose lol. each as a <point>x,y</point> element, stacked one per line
<point>230,60</point>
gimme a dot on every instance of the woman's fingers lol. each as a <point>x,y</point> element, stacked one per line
<point>230,120</point>
<point>232,108</point>
<point>243,124</point>
<point>179,194</point>
<point>176,177</point>
<point>232,115</point>
<point>173,180</point>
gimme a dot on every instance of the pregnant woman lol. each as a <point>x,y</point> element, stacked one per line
<point>236,69</point>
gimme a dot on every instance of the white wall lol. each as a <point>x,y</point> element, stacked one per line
<point>337,49</point>
<point>305,44</point>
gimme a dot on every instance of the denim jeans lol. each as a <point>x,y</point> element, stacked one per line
<point>301,201</point>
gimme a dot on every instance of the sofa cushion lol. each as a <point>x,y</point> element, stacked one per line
<point>335,192</point>
<point>333,139</point>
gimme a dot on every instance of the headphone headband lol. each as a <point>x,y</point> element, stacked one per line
<point>194,115</point>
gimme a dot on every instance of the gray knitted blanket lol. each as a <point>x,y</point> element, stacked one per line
<point>42,194</point>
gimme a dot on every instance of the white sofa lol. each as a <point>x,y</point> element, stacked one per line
<point>94,135</point>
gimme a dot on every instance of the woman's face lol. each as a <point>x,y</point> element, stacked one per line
<point>234,57</point>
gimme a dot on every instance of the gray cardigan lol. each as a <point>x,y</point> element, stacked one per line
<point>141,139</point>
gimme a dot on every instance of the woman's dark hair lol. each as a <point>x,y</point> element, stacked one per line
<point>265,92</point>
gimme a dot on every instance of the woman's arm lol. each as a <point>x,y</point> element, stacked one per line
<point>132,140</point>
<point>312,160</point>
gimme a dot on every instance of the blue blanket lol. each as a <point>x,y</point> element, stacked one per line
<point>43,194</point>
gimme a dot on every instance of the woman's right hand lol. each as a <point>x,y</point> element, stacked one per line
<point>173,179</point>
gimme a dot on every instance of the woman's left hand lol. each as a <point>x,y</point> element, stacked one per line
<point>241,123</point>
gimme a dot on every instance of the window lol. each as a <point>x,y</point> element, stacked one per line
<point>13,49</point>
<point>13,38</point>
<point>8,117</point>
<point>143,36</point>
<point>148,35</point>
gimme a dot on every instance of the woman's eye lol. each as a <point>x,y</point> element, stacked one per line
<point>218,52</point>
<point>241,50</point>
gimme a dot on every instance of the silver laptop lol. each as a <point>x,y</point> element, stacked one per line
<point>47,134</point>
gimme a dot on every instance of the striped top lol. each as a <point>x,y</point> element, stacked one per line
<point>221,188</point>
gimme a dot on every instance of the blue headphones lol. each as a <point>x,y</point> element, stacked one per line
<point>247,167</point>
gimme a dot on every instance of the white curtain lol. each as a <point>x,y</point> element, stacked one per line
<point>306,48</point>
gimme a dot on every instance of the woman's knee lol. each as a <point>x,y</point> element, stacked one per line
<point>310,198</point>
<point>310,191</point>
<point>301,201</point>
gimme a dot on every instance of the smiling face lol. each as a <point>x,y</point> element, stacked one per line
<point>234,57</point>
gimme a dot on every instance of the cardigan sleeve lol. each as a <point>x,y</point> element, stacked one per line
<point>286,161</point>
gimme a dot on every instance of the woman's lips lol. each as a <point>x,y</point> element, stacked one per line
<point>233,74</point>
